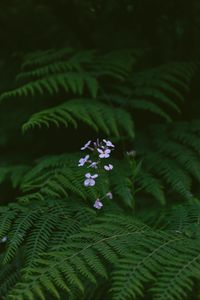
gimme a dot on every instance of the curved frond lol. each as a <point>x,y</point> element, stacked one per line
<point>97,115</point>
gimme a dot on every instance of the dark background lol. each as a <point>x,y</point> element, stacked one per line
<point>171,27</point>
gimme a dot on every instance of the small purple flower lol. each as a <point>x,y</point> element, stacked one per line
<point>104,153</point>
<point>108,167</point>
<point>108,143</point>
<point>98,204</point>
<point>83,160</point>
<point>93,165</point>
<point>109,195</point>
<point>86,145</point>
<point>90,179</point>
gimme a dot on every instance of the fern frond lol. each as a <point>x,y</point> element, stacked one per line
<point>7,216</point>
<point>179,74</point>
<point>159,90</point>
<point>19,230</point>
<point>182,155</point>
<point>172,153</point>
<point>38,241</point>
<point>58,184</point>
<point>150,106</point>
<point>122,183</point>
<point>52,66</point>
<point>117,63</point>
<point>13,173</point>
<point>71,81</point>
<point>9,275</point>
<point>177,280</point>
<point>135,270</point>
<point>88,248</point>
<point>150,185</point>
<point>97,115</point>
<point>44,57</point>
<point>172,174</point>
<point>166,84</point>
<point>139,256</point>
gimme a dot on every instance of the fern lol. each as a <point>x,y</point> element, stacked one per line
<point>13,173</point>
<point>44,57</point>
<point>7,216</point>
<point>57,182</point>
<point>136,253</point>
<point>52,84</point>
<point>172,153</point>
<point>136,269</point>
<point>122,182</point>
<point>9,275</point>
<point>53,65</point>
<point>40,226</point>
<point>177,281</point>
<point>19,229</point>
<point>96,115</point>
<point>83,252</point>
<point>53,244</point>
<point>59,177</point>
<point>71,75</point>
<point>151,185</point>
<point>158,90</point>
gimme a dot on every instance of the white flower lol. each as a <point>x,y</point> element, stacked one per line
<point>104,153</point>
<point>90,179</point>
<point>131,153</point>
<point>108,167</point>
<point>98,204</point>
<point>108,143</point>
<point>4,239</point>
<point>83,160</point>
<point>109,195</point>
<point>86,145</point>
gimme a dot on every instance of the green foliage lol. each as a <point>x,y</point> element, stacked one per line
<point>55,72</point>
<point>136,253</point>
<point>97,115</point>
<point>53,244</point>
<point>170,155</point>
<point>158,90</point>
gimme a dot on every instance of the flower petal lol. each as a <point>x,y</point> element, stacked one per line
<point>107,151</point>
<point>87,182</point>
<point>109,195</point>
<point>88,175</point>
<point>92,182</point>
<point>86,145</point>
<point>100,150</point>
<point>93,165</point>
<point>108,143</point>
<point>94,176</point>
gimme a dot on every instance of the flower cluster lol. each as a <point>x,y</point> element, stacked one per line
<point>100,151</point>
